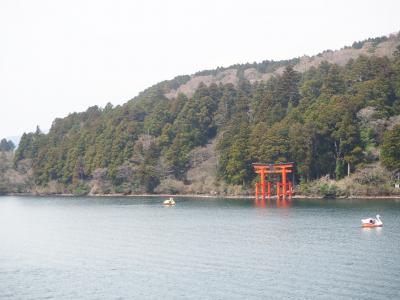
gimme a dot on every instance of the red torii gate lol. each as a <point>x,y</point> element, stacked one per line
<point>283,188</point>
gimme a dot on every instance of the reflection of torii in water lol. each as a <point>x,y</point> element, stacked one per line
<point>284,188</point>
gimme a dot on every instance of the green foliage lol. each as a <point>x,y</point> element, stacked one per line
<point>308,118</point>
<point>323,187</point>
<point>390,152</point>
<point>81,189</point>
<point>328,190</point>
<point>6,145</point>
<point>266,66</point>
<point>373,41</point>
<point>30,145</point>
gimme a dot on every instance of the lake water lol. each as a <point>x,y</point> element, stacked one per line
<point>135,248</point>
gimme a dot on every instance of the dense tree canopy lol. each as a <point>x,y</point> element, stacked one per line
<point>309,118</point>
<point>391,149</point>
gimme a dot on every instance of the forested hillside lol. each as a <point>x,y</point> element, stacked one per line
<point>329,119</point>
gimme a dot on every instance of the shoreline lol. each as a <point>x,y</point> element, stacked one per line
<point>296,197</point>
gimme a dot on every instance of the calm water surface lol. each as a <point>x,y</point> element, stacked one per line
<point>134,248</point>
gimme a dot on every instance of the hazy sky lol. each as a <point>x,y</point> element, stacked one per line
<point>58,57</point>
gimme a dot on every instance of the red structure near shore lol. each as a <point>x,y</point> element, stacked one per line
<point>274,176</point>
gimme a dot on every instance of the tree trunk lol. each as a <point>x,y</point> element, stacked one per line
<point>348,169</point>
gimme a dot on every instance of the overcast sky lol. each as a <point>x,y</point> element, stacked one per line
<point>57,57</point>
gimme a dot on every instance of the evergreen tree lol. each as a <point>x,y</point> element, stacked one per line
<point>390,154</point>
<point>6,145</point>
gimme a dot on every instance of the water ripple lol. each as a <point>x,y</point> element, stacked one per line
<point>134,248</point>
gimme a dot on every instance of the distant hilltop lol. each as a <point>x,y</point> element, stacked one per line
<point>253,72</point>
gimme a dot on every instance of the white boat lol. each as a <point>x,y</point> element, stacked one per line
<point>372,222</point>
<point>169,201</point>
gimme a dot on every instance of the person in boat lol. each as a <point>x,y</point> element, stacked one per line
<point>372,221</point>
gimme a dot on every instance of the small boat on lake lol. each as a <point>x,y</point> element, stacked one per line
<point>169,201</point>
<point>371,222</point>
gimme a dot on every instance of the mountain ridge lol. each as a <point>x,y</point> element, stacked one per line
<point>380,46</point>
